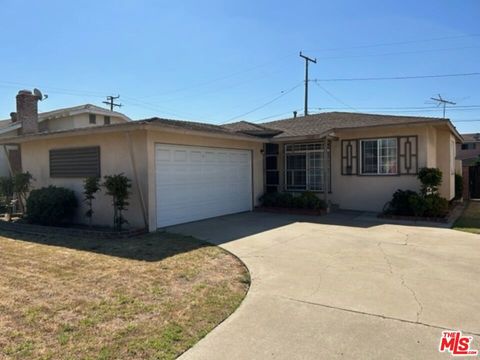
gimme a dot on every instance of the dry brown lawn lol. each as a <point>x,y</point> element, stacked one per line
<point>150,297</point>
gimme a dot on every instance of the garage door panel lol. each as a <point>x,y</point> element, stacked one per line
<point>194,183</point>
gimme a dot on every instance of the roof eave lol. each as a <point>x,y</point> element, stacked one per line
<point>130,126</point>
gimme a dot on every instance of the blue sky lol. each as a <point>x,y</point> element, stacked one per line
<point>214,61</point>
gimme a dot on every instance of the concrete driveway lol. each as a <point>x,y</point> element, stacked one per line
<point>343,286</point>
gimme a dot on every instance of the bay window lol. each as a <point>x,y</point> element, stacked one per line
<point>304,167</point>
<point>379,157</point>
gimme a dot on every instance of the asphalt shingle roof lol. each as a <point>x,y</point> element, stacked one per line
<point>324,122</point>
<point>193,125</point>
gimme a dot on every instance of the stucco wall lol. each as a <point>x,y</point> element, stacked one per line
<point>446,162</point>
<point>114,159</point>
<point>372,192</point>
<point>77,121</point>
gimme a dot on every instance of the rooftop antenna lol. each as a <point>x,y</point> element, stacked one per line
<point>442,102</point>
<point>39,94</point>
<point>111,101</point>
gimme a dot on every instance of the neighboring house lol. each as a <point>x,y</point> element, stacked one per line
<point>62,119</point>
<point>184,171</point>
<point>469,154</point>
<point>469,151</point>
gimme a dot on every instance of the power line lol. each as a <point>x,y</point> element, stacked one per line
<point>398,77</point>
<point>335,97</point>
<point>283,93</point>
<point>399,43</point>
<point>401,111</point>
<point>459,107</point>
<point>396,53</point>
<point>220,78</point>
<point>277,115</point>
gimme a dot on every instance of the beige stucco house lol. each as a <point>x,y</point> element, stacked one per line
<point>184,171</point>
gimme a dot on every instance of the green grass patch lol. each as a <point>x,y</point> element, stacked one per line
<point>470,219</point>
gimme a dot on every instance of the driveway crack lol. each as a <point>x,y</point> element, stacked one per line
<point>402,280</point>
<point>414,294</point>
<point>387,259</point>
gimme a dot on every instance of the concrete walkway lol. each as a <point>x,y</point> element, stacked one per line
<point>342,286</point>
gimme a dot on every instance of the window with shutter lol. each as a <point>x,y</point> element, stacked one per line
<point>75,162</point>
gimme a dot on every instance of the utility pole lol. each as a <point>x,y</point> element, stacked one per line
<point>443,102</point>
<point>111,102</point>
<point>307,60</point>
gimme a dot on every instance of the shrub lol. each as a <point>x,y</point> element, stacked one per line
<point>21,186</point>
<point>436,206</point>
<point>117,187</point>
<point>431,179</point>
<point>410,203</point>
<point>458,186</point>
<point>51,206</point>
<point>91,186</point>
<point>306,200</point>
<point>6,194</point>
<point>400,203</point>
<point>417,205</point>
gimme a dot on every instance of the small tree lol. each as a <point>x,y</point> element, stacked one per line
<point>118,187</point>
<point>91,186</point>
<point>22,186</point>
<point>6,192</point>
<point>431,179</point>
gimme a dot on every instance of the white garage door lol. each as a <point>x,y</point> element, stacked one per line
<point>196,183</point>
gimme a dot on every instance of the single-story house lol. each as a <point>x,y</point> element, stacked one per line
<point>184,171</point>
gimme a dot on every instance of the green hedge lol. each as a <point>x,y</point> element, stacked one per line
<point>305,200</point>
<point>51,206</point>
<point>410,203</point>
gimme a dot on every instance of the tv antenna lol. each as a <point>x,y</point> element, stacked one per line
<point>111,102</point>
<point>442,102</point>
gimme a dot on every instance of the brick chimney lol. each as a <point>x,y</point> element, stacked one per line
<point>27,111</point>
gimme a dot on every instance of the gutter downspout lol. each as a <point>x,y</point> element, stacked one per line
<point>135,176</point>
<point>326,174</point>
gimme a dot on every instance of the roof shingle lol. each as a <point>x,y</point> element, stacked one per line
<point>324,122</point>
